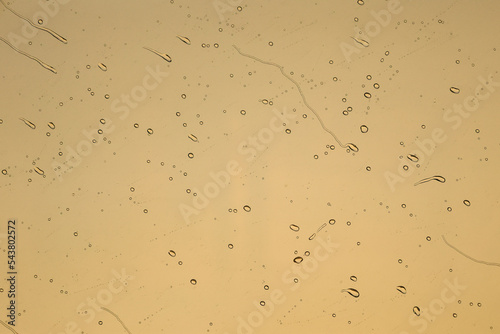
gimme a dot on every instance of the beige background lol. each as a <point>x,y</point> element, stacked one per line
<point>76,228</point>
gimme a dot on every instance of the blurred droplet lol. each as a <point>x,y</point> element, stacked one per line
<point>39,171</point>
<point>298,259</point>
<point>28,123</point>
<point>412,157</point>
<point>353,278</point>
<point>184,39</point>
<point>102,67</point>
<point>353,292</point>
<point>193,281</point>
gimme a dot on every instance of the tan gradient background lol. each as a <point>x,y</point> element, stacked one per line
<point>76,228</point>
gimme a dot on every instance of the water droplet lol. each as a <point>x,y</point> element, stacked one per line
<point>455,315</point>
<point>28,123</point>
<point>361,41</point>
<point>193,281</point>
<point>353,292</point>
<point>294,227</point>
<point>368,95</point>
<point>39,171</point>
<point>363,128</point>
<point>331,221</point>
<point>266,287</point>
<point>162,55</point>
<point>412,157</point>
<point>247,208</point>
<point>193,138</point>
<point>312,236</point>
<point>288,131</point>
<point>353,147</point>
<point>376,85</point>
<point>184,39</point>
<point>466,202</point>
<point>40,21</point>
<point>454,90</point>
<point>243,112</point>
<point>51,125</point>
<point>401,289</point>
<point>437,178</point>
<point>298,259</point>
<point>230,246</point>
<point>190,155</point>
<point>102,67</point>
<point>354,278</point>
<point>262,303</point>
<point>361,2</point>
<point>150,131</point>
<point>416,310</point>
<point>4,171</point>
<point>172,253</point>
<point>428,238</point>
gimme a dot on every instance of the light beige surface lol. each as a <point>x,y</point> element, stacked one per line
<point>260,89</point>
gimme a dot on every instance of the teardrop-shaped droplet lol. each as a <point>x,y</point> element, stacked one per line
<point>401,289</point>
<point>437,178</point>
<point>412,157</point>
<point>294,227</point>
<point>454,90</point>
<point>28,123</point>
<point>416,310</point>
<point>184,39</point>
<point>353,292</point>
<point>298,259</point>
